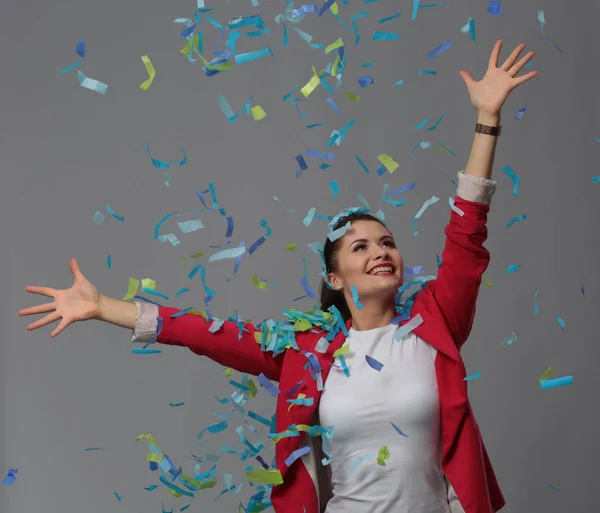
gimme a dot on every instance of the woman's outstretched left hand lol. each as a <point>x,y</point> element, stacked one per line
<point>489,94</point>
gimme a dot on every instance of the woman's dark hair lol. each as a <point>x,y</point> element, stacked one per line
<point>330,296</point>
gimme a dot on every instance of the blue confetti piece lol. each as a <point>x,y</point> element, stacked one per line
<point>442,48</point>
<point>508,341</point>
<point>266,383</point>
<point>415,9</point>
<point>108,261</point>
<point>80,48</point>
<point>355,298</point>
<point>551,486</point>
<point>558,382</point>
<point>536,309</point>
<point>319,155</point>
<point>356,32</point>
<point>175,405</point>
<point>94,449</point>
<point>595,179</point>
<point>385,36</point>
<point>187,31</point>
<point>119,497</point>
<point>227,253</point>
<point>114,214</point>
<point>408,187</point>
<point>495,8</point>
<point>365,80</point>
<point>297,454</point>
<point>513,268</point>
<point>561,322</point>
<point>373,363</point>
<point>427,72</point>
<point>508,171</point>
<point>398,430</point>
<point>520,112</point>
<point>252,56</point>
<point>472,376</point>
<point>331,103</point>
<point>259,242</point>
<point>326,6</point>
<point>412,271</point>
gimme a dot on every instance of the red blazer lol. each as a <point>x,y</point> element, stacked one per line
<point>447,306</point>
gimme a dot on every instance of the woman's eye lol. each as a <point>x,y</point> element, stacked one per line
<point>389,243</point>
<point>360,246</point>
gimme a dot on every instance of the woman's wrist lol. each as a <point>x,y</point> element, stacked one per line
<point>486,118</point>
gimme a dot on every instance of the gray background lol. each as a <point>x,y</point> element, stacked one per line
<point>67,152</point>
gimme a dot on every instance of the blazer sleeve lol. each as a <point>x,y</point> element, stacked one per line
<point>226,346</point>
<point>464,259</point>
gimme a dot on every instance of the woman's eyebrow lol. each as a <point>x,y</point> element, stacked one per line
<point>365,240</point>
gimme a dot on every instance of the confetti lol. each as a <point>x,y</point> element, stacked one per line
<point>389,18</point>
<point>80,48</point>
<point>365,80</point>
<point>355,299</point>
<point>11,477</point>
<point>542,19</point>
<point>151,73</point>
<point>546,374</point>
<point>271,477</point>
<point>561,322</point>
<point>426,205</point>
<point>373,363</point>
<point>91,84</point>
<point>383,456</point>
<point>508,341</point>
<point>558,382</point>
<point>513,268</point>
<point>397,429</point>
<point>385,36</point>
<point>161,164</point>
<point>472,376</point>
<point>495,8</point>
<point>508,171</point>
<point>441,48</point>
<point>470,28</point>
<point>520,113</point>
<point>390,164</point>
<point>335,188</point>
<point>516,220</point>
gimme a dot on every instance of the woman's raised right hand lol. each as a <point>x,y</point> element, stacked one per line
<point>79,303</point>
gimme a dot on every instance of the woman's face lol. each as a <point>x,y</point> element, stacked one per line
<point>369,260</point>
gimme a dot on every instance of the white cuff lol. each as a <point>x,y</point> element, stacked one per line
<point>146,322</point>
<point>475,188</point>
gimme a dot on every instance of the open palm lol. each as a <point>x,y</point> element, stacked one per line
<point>489,94</point>
<point>79,303</point>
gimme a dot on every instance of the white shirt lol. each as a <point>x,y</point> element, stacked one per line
<point>361,408</point>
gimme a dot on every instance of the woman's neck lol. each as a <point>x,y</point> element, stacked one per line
<point>374,314</point>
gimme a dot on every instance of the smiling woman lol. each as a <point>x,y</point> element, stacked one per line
<point>367,260</point>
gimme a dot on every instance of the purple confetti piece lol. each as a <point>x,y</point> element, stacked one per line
<point>442,48</point>
<point>398,429</point>
<point>373,363</point>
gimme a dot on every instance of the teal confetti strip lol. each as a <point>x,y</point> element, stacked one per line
<point>421,124</point>
<point>400,83</point>
<point>437,123</point>
<point>558,382</point>
<point>285,208</point>
<point>415,9</point>
<point>551,486</point>
<point>69,68</point>
<point>385,36</point>
<point>202,270</point>
<point>472,376</point>
<point>153,292</point>
<point>225,107</point>
<point>536,309</point>
<point>513,268</point>
<point>373,363</point>
<point>516,220</point>
<point>215,23</point>
<point>363,165</point>
<point>389,18</point>
<point>427,72</point>
<point>108,261</point>
<point>175,405</point>
<point>508,171</point>
<point>335,188</point>
<point>314,125</point>
<point>309,217</point>
<point>163,164</point>
<point>356,32</point>
<point>561,322</point>
<point>91,84</point>
<point>94,449</point>
<point>114,214</point>
<point>355,298</point>
<point>595,179</point>
<point>542,20</point>
<point>143,350</point>
<point>470,28</point>
<point>252,56</point>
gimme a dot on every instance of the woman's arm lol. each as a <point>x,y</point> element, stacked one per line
<point>230,346</point>
<point>483,150</point>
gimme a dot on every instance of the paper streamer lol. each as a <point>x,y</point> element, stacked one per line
<point>558,382</point>
<point>151,73</point>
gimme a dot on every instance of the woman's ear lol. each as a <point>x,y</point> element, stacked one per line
<point>334,282</point>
